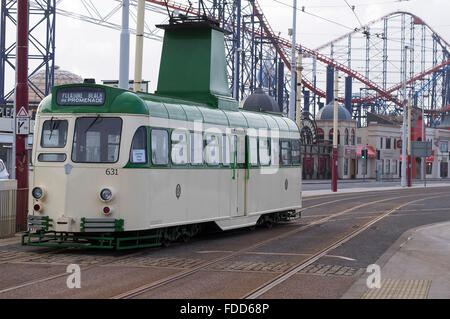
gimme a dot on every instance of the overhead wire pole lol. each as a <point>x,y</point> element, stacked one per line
<point>139,45</point>
<point>292,96</point>
<point>334,167</point>
<point>404,136</point>
<point>124,67</point>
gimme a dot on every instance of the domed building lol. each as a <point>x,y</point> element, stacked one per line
<point>347,151</point>
<point>61,77</point>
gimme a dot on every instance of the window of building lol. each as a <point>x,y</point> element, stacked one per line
<point>179,152</point>
<point>138,152</point>
<point>212,148</point>
<point>196,141</point>
<point>395,144</point>
<point>388,143</point>
<point>330,136</point>
<point>394,167</point>
<point>345,166</point>
<point>429,168</point>
<point>388,166</point>
<point>353,138</point>
<point>295,144</point>
<point>359,140</point>
<point>381,143</point>
<point>264,151</point>
<point>443,146</point>
<point>96,139</point>
<point>320,135</point>
<point>160,147</point>
<point>54,133</point>
<point>346,137</point>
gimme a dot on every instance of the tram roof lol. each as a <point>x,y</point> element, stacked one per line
<point>119,101</point>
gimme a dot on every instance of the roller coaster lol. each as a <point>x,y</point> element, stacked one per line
<point>372,56</point>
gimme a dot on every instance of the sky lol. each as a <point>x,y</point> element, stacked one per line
<point>92,51</point>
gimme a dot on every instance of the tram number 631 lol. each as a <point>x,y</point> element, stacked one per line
<point>112,171</point>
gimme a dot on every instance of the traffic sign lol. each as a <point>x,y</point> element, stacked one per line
<point>22,125</point>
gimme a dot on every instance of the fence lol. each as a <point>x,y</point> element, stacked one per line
<point>8,193</point>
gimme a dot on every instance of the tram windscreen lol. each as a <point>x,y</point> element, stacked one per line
<point>96,139</point>
<point>54,133</point>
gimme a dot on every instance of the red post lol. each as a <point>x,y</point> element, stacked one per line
<point>408,171</point>
<point>334,169</point>
<point>21,100</point>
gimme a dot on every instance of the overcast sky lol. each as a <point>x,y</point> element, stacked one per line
<point>92,51</point>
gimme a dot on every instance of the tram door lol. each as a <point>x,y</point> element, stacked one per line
<point>238,178</point>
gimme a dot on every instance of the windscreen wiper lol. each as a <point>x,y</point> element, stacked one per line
<point>92,123</point>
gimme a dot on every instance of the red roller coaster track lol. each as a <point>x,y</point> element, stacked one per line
<point>286,44</point>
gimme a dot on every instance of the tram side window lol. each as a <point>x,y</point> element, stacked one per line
<point>240,145</point>
<point>212,149</point>
<point>160,147</point>
<point>253,147</point>
<point>285,153</point>
<point>196,148</point>
<point>295,144</point>
<point>275,154</point>
<point>139,146</point>
<point>264,151</point>
<point>225,150</point>
<point>96,140</point>
<point>179,147</point>
<point>54,133</point>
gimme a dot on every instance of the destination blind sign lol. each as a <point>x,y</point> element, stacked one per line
<point>80,95</point>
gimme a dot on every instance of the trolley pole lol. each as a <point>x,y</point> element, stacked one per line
<point>21,103</point>
<point>139,45</point>
<point>409,169</point>
<point>334,170</point>
<point>124,67</point>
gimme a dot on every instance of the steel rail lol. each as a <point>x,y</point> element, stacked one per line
<point>183,274</point>
<point>264,288</point>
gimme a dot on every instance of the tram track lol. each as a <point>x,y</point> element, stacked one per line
<point>177,276</point>
<point>264,288</point>
<point>186,273</point>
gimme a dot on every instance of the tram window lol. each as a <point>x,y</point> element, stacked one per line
<point>240,149</point>
<point>275,154</point>
<point>295,144</point>
<point>285,153</point>
<point>264,151</point>
<point>139,146</point>
<point>179,147</point>
<point>196,148</point>
<point>225,150</point>
<point>46,157</point>
<point>54,133</point>
<point>253,147</point>
<point>96,139</point>
<point>160,147</point>
<point>212,148</point>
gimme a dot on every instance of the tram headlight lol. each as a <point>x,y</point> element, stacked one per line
<point>37,192</point>
<point>106,194</point>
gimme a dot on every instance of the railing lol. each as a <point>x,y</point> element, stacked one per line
<point>8,193</point>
